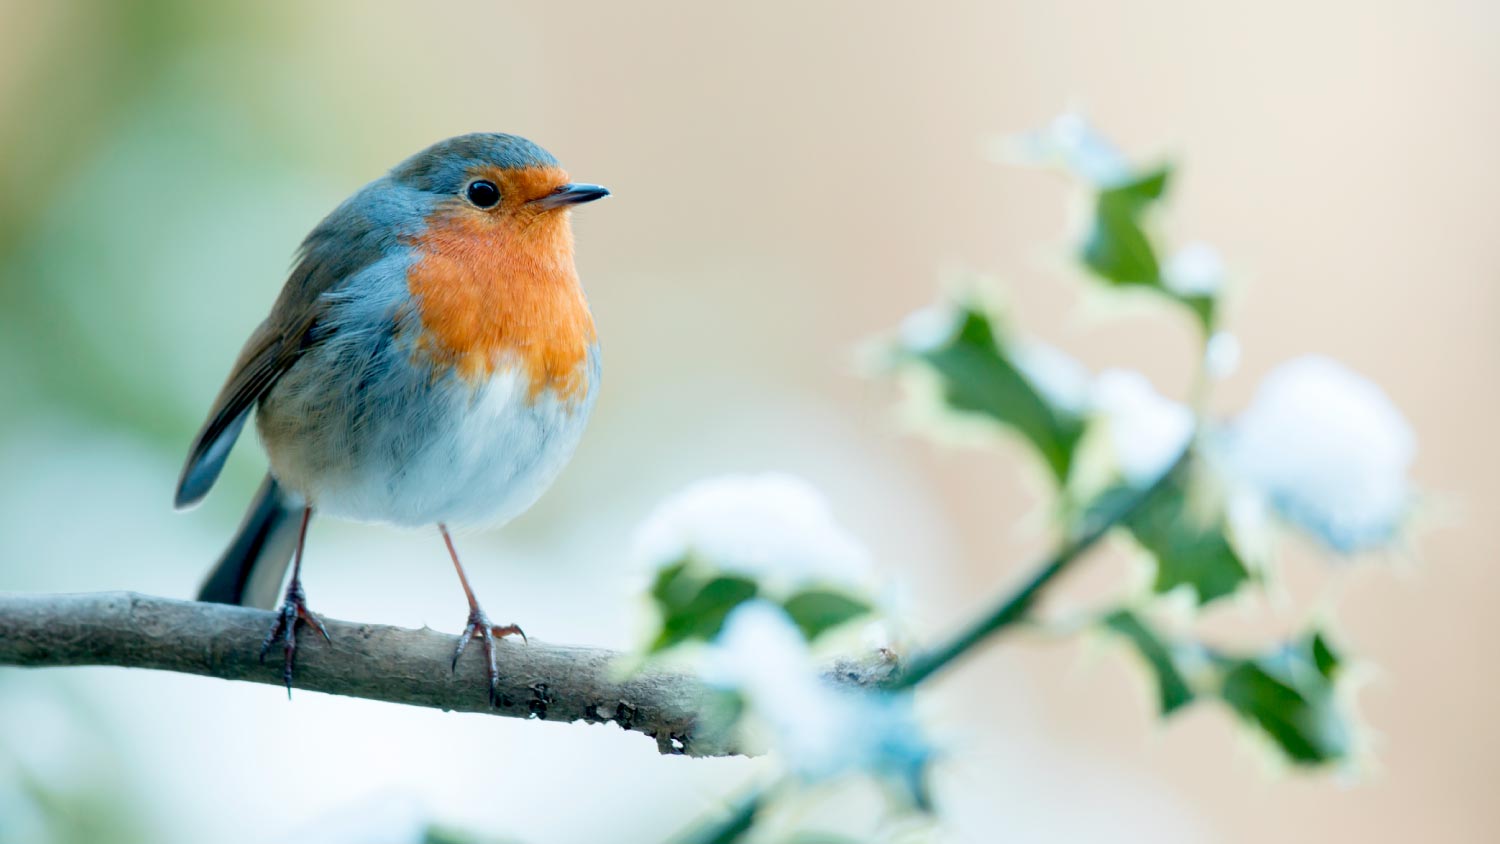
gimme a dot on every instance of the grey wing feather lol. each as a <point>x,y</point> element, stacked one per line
<point>268,354</point>
<point>345,242</point>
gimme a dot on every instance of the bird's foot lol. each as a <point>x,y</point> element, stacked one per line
<point>293,611</point>
<point>479,627</point>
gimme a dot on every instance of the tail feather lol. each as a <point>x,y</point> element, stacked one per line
<point>252,567</point>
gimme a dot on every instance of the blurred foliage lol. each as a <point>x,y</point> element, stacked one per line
<point>108,263</point>
<point>1182,524</point>
<point>816,611</point>
<point>440,834</point>
<point>693,598</point>
<point>127,188</point>
<point>693,603</point>
<point>1173,691</point>
<point>1190,544</point>
<point>74,813</point>
<point>978,375</point>
<point>64,776</point>
<point>1287,693</point>
<point>1117,248</point>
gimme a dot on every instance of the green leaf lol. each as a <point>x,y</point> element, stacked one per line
<point>1289,694</point>
<point>1173,691</point>
<point>693,604</point>
<point>1324,657</point>
<point>1117,248</point>
<point>1205,308</point>
<point>1189,548</point>
<point>978,376</point>
<point>818,610</point>
<point>436,833</point>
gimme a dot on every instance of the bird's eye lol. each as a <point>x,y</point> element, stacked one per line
<point>483,193</point>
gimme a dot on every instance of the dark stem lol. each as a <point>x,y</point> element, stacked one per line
<point>1013,607</point>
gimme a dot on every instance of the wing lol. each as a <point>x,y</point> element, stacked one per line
<point>339,247</point>
<point>269,353</point>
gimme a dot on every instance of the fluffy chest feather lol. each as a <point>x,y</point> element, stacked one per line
<point>488,292</point>
<point>406,452</point>
<point>362,432</point>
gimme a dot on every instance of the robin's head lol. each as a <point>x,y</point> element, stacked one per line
<point>493,276</point>
<point>491,179</point>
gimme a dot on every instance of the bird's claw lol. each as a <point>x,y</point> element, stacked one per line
<point>479,627</point>
<point>293,611</point>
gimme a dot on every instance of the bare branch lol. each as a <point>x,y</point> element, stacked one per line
<point>393,664</point>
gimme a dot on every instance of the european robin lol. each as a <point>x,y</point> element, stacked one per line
<point>431,360</point>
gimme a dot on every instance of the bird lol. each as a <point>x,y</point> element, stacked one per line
<point>430,361</point>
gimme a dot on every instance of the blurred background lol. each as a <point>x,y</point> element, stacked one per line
<point>790,179</point>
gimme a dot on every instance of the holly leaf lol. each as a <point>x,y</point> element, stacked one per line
<point>693,603</point>
<point>442,834</point>
<point>1324,656</point>
<point>1289,695</point>
<point>1203,306</point>
<point>1117,248</point>
<point>818,610</point>
<point>1173,691</point>
<point>979,376</point>
<point>1190,548</point>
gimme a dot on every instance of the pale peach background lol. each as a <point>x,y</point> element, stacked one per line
<point>791,179</point>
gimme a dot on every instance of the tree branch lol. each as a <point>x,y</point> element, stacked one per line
<point>372,661</point>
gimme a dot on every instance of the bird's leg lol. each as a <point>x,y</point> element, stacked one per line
<point>479,626</point>
<point>293,611</point>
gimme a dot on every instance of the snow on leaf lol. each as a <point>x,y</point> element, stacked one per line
<point>1070,141</point>
<point>1221,355</point>
<point>930,327</point>
<point>772,528</point>
<point>1328,450</point>
<point>722,542</point>
<point>1057,376</point>
<point>821,732</point>
<point>979,374</point>
<point>1146,430</point>
<point>1194,270</point>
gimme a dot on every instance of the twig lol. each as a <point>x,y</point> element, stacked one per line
<point>377,662</point>
<point>1012,607</point>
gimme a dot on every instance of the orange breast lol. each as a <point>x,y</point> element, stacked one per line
<point>497,288</point>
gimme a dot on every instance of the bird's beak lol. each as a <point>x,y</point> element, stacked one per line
<point>570,194</point>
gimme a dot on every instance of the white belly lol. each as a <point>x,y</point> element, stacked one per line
<point>392,445</point>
